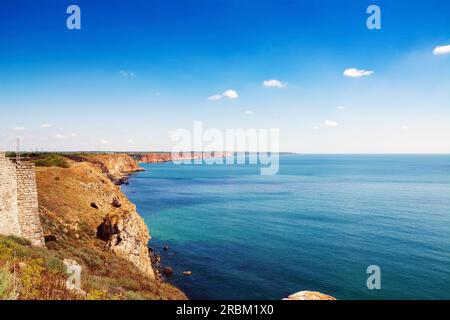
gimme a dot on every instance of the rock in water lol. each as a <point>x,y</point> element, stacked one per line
<point>309,295</point>
<point>187,273</point>
<point>168,271</point>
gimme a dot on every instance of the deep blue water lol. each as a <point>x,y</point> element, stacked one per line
<point>317,225</point>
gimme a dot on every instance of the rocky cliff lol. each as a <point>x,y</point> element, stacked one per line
<point>83,210</point>
<point>116,166</point>
<point>156,157</point>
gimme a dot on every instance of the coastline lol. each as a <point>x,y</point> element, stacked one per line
<point>83,209</point>
<point>159,252</point>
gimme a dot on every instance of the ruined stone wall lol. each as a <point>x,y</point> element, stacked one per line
<point>27,199</point>
<point>19,210</point>
<point>9,212</point>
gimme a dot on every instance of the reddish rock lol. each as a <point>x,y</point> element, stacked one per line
<point>309,295</point>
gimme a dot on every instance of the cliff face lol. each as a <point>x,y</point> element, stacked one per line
<point>83,210</point>
<point>155,157</point>
<point>116,166</point>
<point>127,236</point>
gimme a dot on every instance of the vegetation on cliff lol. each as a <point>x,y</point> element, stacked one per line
<point>74,204</point>
<point>30,273</point>
<point>51,160</point>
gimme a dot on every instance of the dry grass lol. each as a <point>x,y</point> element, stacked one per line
<point>65,197</point>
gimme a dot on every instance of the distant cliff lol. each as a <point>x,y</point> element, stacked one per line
<point>156,157</point>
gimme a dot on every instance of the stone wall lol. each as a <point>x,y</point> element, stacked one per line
<point>19,211</point>
<point>9,212</point>
<point>27,199</point>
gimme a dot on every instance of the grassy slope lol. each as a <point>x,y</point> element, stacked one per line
<point>65,197</point>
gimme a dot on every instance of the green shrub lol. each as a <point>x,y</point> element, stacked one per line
<point>52,160</point>
<point>6,283</point>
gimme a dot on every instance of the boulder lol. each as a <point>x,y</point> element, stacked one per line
<point>168,271</point>
<point>309,295</point>
<point>94,205</point>
<point>116,202</point>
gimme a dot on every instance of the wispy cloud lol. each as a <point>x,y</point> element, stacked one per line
<point>274,83</point>
<point>19,128</point>
<point>215,97</point>
<point>357,73</point>
<point>103,141</point>
<point>131,141</point>
<point>60,136</point>
<point>330,123</point>
<point>248,112</point>
<point>230,94</point>
<point>127,74</point>
<point>46,125</point>
<point>340,107</point>
<point>440,50</point>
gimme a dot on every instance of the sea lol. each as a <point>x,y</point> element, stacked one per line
<point>327,223</point>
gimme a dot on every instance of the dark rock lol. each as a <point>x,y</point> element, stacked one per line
<point>166,248</point>
<point>168,271</point>
<point>94,205</point>
<point>116,203</point>
<point>50,237</point>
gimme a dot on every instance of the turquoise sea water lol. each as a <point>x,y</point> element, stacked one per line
<point>317,225</point>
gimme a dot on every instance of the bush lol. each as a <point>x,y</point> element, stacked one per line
<point>6,283</point>
<point>52,160</point>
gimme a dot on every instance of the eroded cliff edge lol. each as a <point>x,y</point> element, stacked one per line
<point>85,213</point>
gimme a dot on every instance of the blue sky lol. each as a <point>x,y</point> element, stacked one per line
<point>139,69</point>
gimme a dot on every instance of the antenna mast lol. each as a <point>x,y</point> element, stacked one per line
<point>18,150</point>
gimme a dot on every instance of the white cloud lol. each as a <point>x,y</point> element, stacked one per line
<point>356,73</point>
<point>103,141</point>
<point>273,83</point>
<point>215,97</point>
<point>46,125</point>
<point>248,112</point>
<point>340,107</point>
<point>316,128</point>
<point>441,50</point>
<point>19,128</point>
<point>131,141</point>
<point>73,134</point>
<point>330,123</point>
<point>59,136</point>
<point>127,74</point>
<point>231,94</point>
<point>405,128</point>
